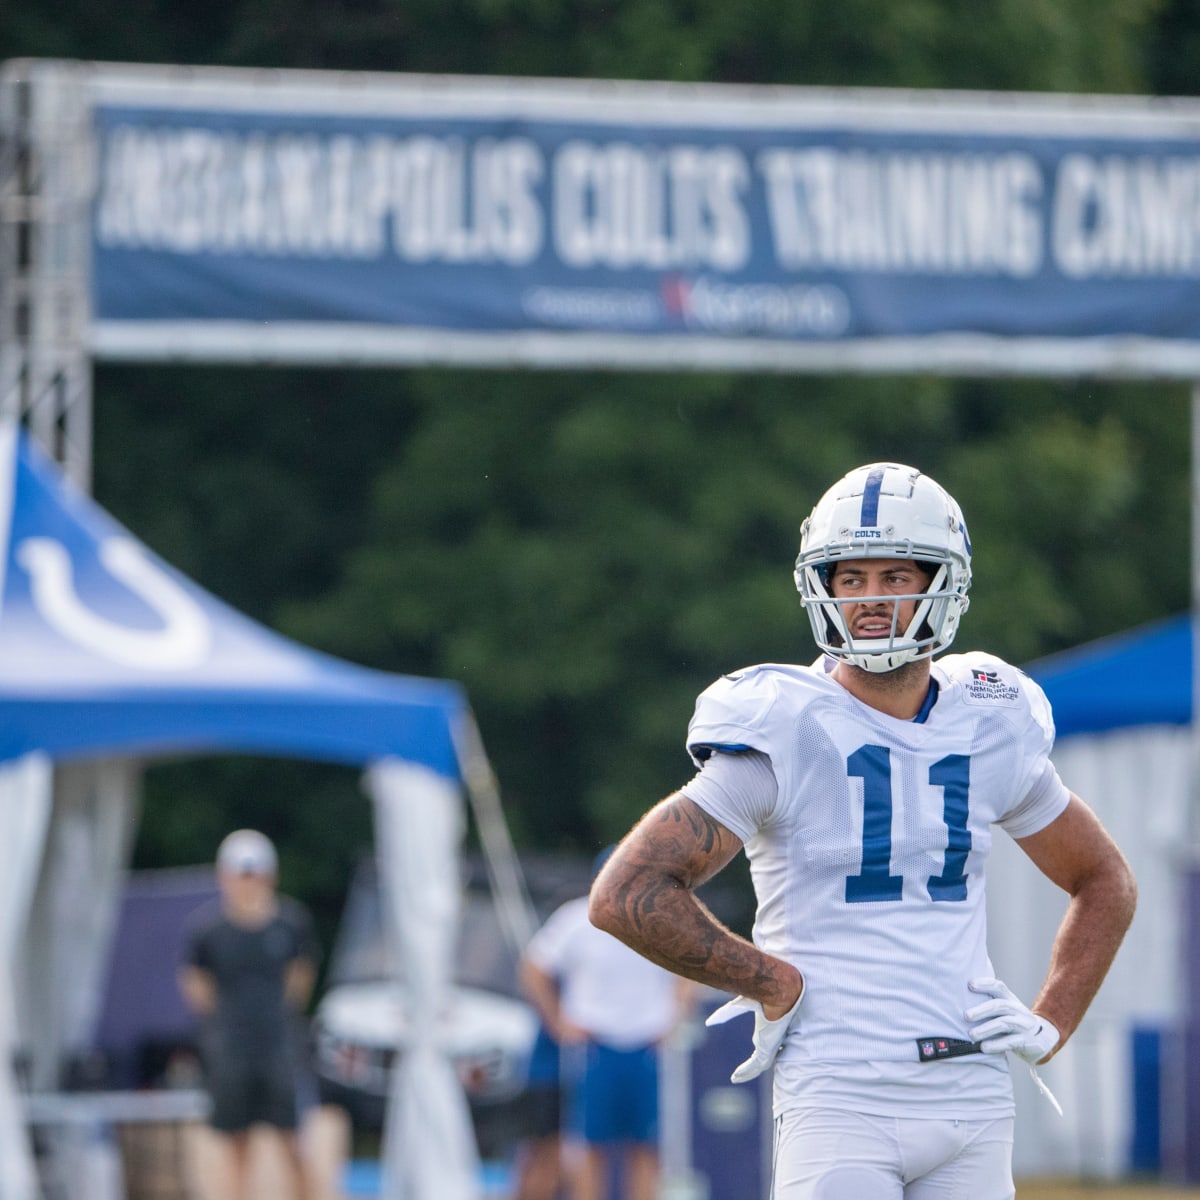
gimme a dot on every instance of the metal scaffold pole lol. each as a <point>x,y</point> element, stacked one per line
<point>45,186</point>
<point>46,168</point>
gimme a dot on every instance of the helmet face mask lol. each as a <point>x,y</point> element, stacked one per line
<point>886,511</point>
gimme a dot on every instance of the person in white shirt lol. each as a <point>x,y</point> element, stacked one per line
<point>613,1008</point>
<point>864,790</point>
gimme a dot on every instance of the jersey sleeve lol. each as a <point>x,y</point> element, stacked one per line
<point>303,930</point>
<point>1042,796</point>
<point>732,714</point>
<point>737,789</point>
<point>195,948</point>
<point>1044,801</point>
<point>548,947</point>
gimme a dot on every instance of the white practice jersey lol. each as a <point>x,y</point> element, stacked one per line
<point>868,860</point>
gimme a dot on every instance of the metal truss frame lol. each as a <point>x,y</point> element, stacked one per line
<point>45,304</point>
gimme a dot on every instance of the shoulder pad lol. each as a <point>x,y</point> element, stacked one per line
<point>990,682</point>
<point>741,709</point>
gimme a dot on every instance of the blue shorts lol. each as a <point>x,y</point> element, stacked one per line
<point>617,1099</point>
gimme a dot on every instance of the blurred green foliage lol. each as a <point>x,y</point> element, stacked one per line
<point>586,551</point>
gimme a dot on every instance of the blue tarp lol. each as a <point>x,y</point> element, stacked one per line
<point>143,1016</point>
<point>1141,676</point>
<point>107,650</point>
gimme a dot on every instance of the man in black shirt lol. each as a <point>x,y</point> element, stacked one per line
<point>248,970</point>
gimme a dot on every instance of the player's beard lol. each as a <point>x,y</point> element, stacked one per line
<point>900,678</point>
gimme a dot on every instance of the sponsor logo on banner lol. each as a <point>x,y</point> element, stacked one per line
<point>787,310</point>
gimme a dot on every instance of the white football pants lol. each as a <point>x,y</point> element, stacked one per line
<point>823,1154</point>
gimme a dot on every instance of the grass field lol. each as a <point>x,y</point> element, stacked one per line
<point>1030,1189</point>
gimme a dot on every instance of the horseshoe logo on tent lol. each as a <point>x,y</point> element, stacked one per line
<point>183,640</point>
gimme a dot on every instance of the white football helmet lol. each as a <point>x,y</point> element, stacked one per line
<point>886,510</point>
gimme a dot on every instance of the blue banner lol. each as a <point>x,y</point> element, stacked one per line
<point>646,230</point>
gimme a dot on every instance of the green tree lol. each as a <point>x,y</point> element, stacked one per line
<point>585,552</point>
<point>1063,45</point>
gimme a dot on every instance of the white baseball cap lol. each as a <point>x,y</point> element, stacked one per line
<point>247,852</point>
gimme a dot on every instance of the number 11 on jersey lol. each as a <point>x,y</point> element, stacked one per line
<point>873,765</point>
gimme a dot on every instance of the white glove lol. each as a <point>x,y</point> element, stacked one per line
<point>1004,1023</point>
<point>768,1035</point>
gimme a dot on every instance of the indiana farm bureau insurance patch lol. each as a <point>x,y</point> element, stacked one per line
<point>987,687</point>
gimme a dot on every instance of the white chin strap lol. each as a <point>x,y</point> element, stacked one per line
<point>878,662</point>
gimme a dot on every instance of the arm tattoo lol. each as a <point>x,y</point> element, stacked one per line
<point>646,898</point>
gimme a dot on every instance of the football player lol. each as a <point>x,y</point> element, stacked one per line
<point>864,790</point>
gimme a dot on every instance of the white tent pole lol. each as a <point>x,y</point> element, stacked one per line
<point>25,799</point>
<point>429,1150</point>
<point>513,905</point>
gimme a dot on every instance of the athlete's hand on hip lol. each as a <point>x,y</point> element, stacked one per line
<point>1004,1023</point>
<point>768,1035</point>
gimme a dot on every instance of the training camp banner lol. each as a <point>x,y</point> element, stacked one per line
<point>313,217</point>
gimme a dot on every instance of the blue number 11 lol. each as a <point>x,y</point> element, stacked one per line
<point>873,765</point>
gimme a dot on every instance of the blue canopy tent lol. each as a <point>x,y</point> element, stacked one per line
<point>109,657</point>
<point>1140,676</point>
<point>105,648</point>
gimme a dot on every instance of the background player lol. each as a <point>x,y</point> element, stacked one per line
<point>250,963</point>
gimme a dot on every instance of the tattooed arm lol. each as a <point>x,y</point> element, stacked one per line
<point>645,897</point>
